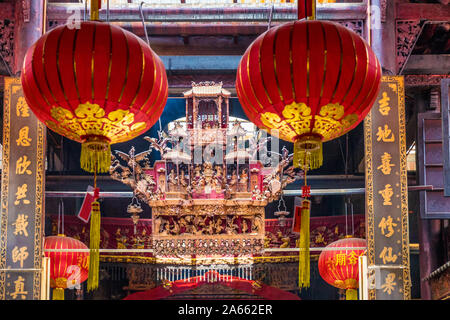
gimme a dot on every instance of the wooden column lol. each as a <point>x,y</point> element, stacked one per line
<point>23,173</point>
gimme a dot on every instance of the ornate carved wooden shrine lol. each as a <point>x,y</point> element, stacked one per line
<point>207,192</point>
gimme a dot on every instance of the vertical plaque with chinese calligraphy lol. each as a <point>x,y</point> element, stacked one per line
<point>21,197</point>
<point>387,193</point>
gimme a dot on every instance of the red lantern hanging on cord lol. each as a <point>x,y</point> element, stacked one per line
<point>339,266</point>
<point>98,84</point>
<point>308,82</point>
<point>66,268</point>
<point>313,81</point>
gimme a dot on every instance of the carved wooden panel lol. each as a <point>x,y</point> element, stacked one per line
<point>7,42</point>
<point>407,33</point>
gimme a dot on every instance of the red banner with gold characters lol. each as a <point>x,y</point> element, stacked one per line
<point>21,198</point>
<point>387,193</point>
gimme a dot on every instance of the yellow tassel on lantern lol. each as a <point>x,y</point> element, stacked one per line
<point>94,244</point>
<point>58,294</point>
<point>303,259</point>
<point>351,294</point>
<point>95,155</point>
<point>308,152</point>
<point>95,8</point>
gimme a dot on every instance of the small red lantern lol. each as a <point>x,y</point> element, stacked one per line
<point>339,267</point>
<point>97,84</point>
<point>313,81</point>
<point>66,268</point>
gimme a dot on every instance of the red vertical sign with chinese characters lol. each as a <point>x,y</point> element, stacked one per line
<point>387,193</point>
<point>22,216</point>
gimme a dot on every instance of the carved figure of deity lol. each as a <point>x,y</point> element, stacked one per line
<point>232,228</point>
<point>189,227</point>
<point>183,181</point>
<point>175,229</point>
<point>227,192</point>
<point>209,228</point>
<point>157,224</point>
<point>244,226</point>
<point>257,224</point>
<point>208,174</point>
<point>218,226</point>
<point>233,181</point>
<point>172,181</point>
<point>166,229</point>
<point>161,182</point>
<point>243,181</point>
<point>196,181</point>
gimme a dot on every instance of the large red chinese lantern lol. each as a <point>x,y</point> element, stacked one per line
<point>308,82</point>
<point>313,81</point>
<point>66,268</point>
<point>98,84</point>
<point>339,266</point>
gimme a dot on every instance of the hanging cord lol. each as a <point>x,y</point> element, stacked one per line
<point>141,12</point>
<point>143,22</point>
<point>270,16</point>
<point>85,9</point>
<point>346,177</point>
<point>60,228</point>
<point>346,214</point>
<point>59,219</point>
<point>305,168</point>
<point>353,223</point>
<point>62,215</point>
<point>95,176</point>
<point>107,10</point>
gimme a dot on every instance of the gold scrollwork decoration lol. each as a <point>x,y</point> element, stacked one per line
<point>90,119</point>
<point>296,120</point>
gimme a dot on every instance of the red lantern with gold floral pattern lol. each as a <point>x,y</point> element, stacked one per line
<point>97,84</point>
<point>66,268</point>
<point>313,81</point>
<point>338,264</point>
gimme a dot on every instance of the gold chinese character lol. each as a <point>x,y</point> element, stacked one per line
<point>353,258</point>
<point>386,164</point>
<point>387,193</point>
<point>385,134</point>
<point>19,255</point>
<point>21,194</point>
<point>340,259</point>
<point>22,164</point>
<point>384,104</point>
<point>21,224</point>
<point>24,140</point>
<point>389,284</point>
<point>331,265</point>
<point>389,224</point>
<point>19,289</point>
<point>22,109</point>
<point>319,238</point>
<point>386,255</point>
